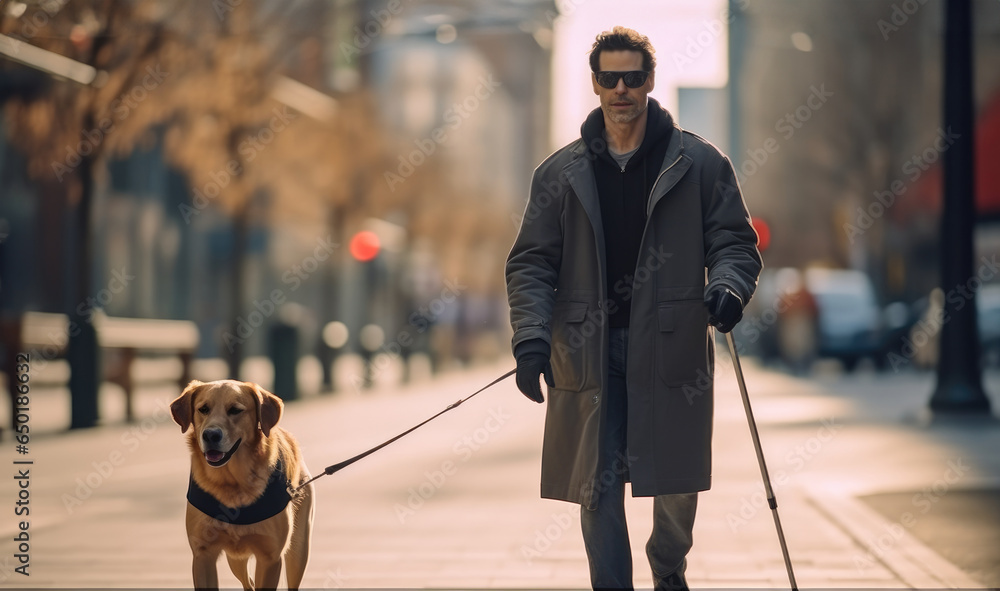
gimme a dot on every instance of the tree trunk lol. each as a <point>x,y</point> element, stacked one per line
<point>241,221</point>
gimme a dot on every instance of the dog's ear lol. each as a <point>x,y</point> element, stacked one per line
<point>269,408</point>
<point>181,409</point>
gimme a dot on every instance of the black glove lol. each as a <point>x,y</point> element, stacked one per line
<point>530,366</point>
<point>725,308</point>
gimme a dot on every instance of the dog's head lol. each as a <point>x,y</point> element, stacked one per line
<point>223,414</point>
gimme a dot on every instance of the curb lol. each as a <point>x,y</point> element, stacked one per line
<point>889,543</point>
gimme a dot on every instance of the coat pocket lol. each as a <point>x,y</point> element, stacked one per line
<point>572,340</point>
<point>681,342</point>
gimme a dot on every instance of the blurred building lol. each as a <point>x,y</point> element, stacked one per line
<point>478,72</point>
<point>461,89</point>
<point>149,232</point>
<point>838,110</point>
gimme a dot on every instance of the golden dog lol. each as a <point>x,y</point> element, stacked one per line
<point>238,501</point>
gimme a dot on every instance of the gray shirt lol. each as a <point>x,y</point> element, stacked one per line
<point>622,159</point>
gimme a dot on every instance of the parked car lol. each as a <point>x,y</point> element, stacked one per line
<point>849,318</point>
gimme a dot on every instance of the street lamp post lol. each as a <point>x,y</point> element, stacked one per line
<point>959,385</point>
<point>83,350</point>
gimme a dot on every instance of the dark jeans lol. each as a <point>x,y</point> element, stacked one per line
<point>605,533</point>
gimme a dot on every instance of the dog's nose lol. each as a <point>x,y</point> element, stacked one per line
<point>212,435</point>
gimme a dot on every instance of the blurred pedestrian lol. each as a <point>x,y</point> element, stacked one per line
<point>611,302</point>
<point>798,319</point>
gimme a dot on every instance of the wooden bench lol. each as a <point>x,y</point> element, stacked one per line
<point>46,333</point>
<point>130,337</point>
<point>44,336</point>
<point>123,340</point>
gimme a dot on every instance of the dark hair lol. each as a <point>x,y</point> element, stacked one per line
<point>622,38</point>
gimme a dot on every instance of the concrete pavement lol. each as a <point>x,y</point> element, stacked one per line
<point>455,504</point>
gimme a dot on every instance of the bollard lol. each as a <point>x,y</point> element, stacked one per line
<point>283,349</point>
<point>372,337</point>
<point>332,340</point>
<point>84,357</point>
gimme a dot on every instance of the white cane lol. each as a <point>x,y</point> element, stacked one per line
<point>760,458</point>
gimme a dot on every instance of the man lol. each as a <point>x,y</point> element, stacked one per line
<point>634,241</point>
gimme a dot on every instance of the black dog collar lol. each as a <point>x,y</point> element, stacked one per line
<point>273,501</point>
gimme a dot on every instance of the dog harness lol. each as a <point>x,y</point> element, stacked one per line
<point>273,501</point>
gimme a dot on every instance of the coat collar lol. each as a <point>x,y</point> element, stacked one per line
<point>675,164</point>
<point>580,174</point>
<point>273,501</point>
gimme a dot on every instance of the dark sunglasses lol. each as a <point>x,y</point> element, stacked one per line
<point>633,79</point>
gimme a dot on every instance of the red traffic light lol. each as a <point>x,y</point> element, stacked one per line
<point>763,233</point>
<point>364,246</point>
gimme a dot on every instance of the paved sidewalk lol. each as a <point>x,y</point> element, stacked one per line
<point>455,504</point>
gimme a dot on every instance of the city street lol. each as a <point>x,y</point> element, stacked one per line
<point>455,504</point>
<point>360,206</point>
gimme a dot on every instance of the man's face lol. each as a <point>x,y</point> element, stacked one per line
<point>622,104</point>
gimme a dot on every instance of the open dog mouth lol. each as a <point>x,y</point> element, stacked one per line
<point>218,458</point>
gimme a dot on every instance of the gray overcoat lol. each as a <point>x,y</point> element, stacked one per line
<point>697,234</point>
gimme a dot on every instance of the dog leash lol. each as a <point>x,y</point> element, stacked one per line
<point>293,492</point>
